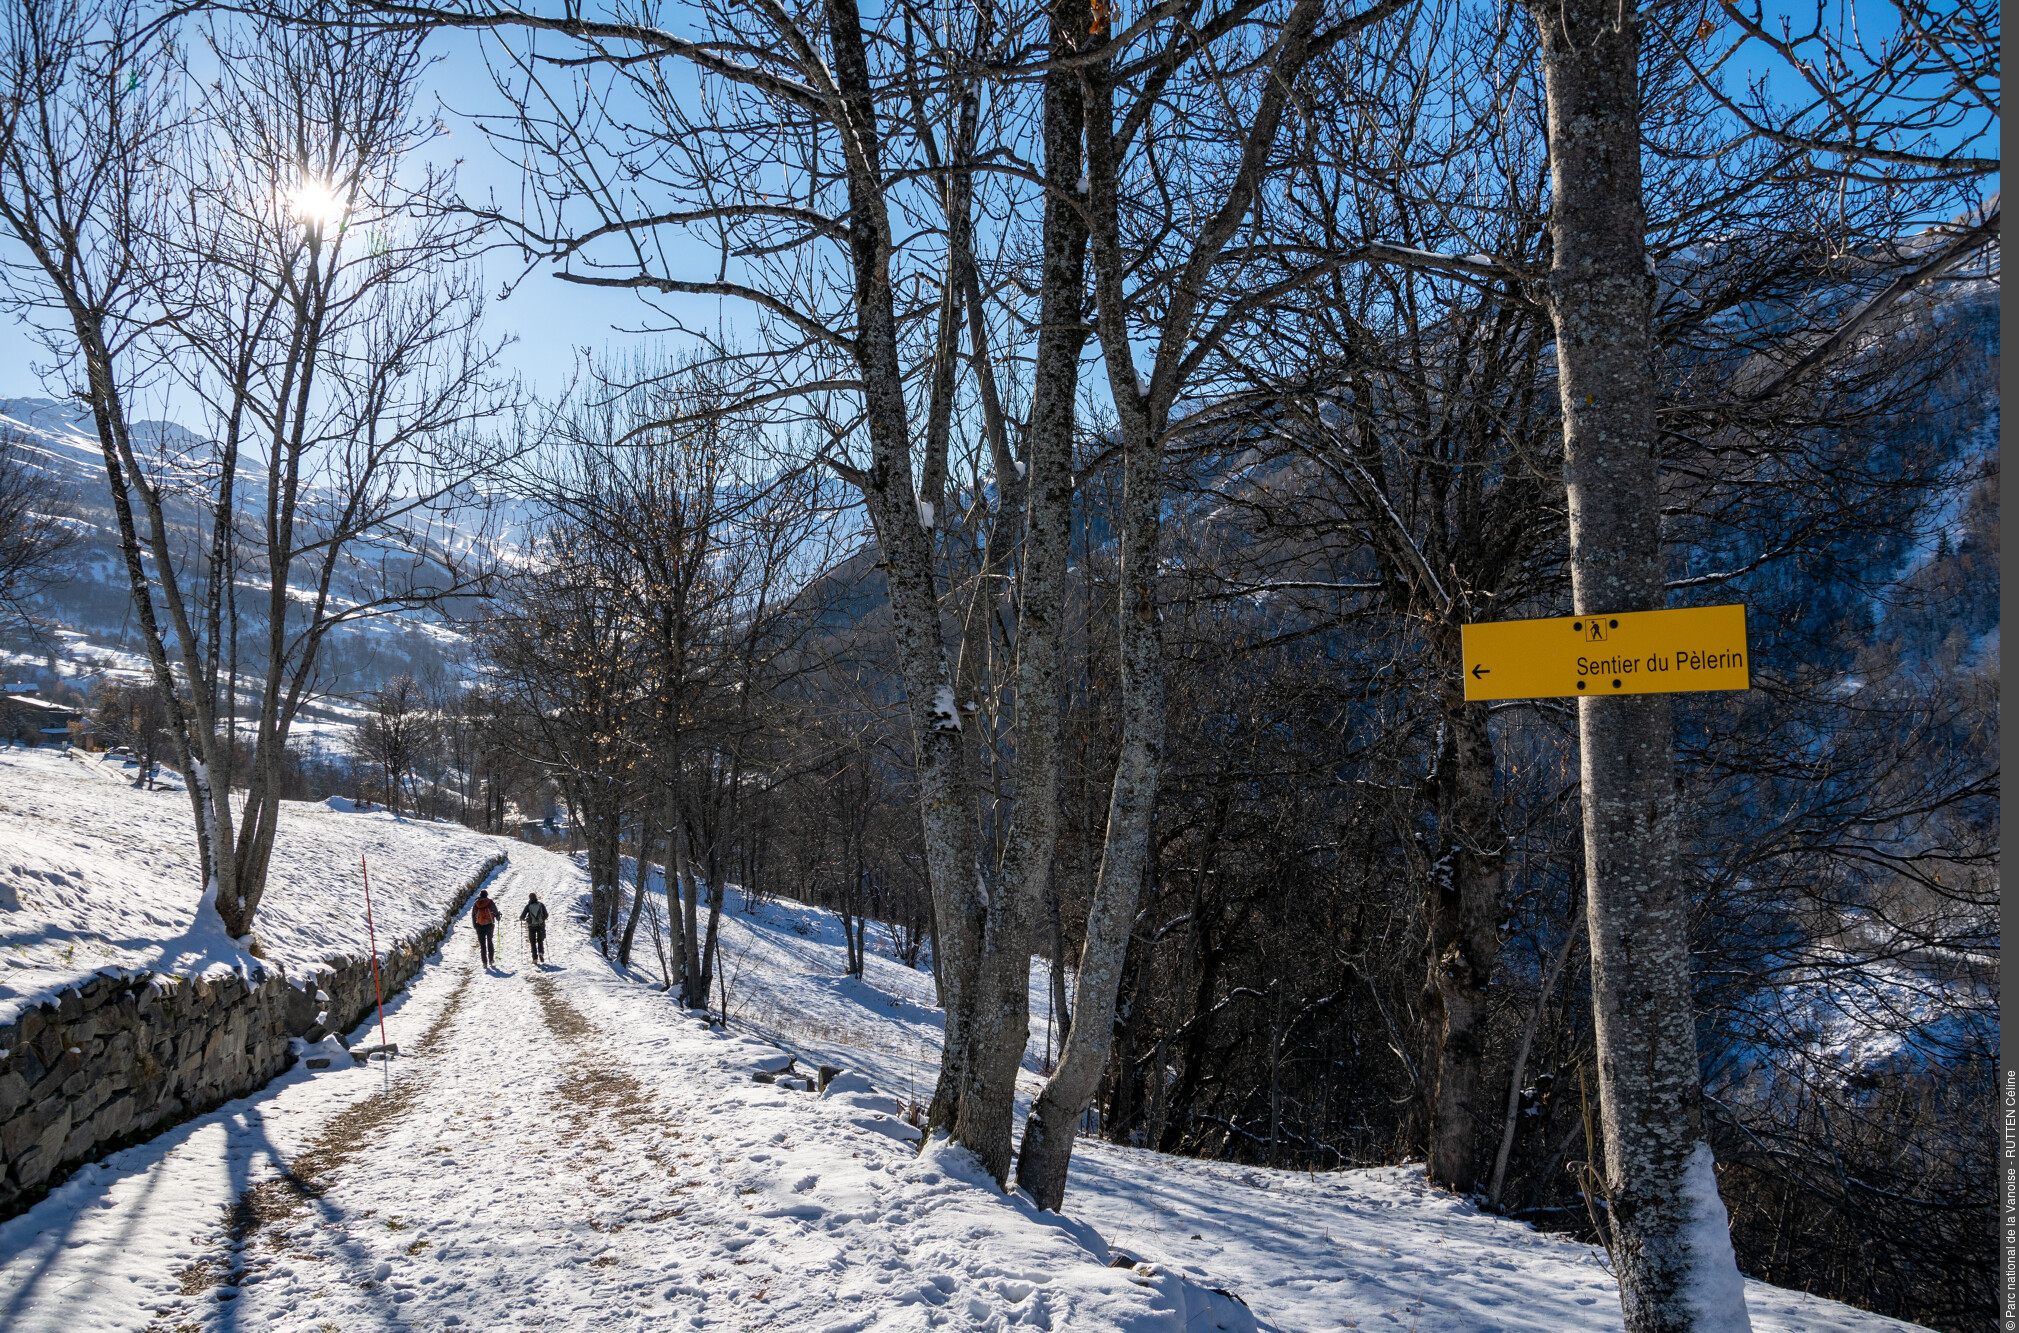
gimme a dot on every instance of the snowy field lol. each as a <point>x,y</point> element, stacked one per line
<point>561,1147</point>
<point>97,875</point>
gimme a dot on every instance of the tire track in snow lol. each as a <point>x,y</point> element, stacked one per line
<point>306,1176</point>
<point>601,1100</point>
<point>599,1097</point>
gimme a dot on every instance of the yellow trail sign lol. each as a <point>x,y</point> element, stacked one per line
<point>1629,652</point>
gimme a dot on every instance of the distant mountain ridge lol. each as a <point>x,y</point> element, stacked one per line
<point>89,632</point>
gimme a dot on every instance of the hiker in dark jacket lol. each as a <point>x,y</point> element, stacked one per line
<point>484,912</point>
<point>534,914</point>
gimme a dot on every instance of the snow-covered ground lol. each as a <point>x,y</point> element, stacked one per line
<point>561,1147</point>
<point>1351,1249</point>
<point>96,875</point>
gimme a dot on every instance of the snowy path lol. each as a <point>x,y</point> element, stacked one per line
<point>562,1148</point>
<point>557,1148</point>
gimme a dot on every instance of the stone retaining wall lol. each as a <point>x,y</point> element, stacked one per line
<point>121,1058</point>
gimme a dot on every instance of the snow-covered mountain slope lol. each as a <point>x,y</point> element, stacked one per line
<point>561,1147</point>
<point>95,875</point>
<point>96,635</point>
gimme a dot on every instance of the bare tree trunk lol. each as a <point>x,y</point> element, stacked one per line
<point>659,943</point>
<point>605,883</point>
<point>642,883</point>
<point>1001,1008</point>
<point>108,412</point>
<point>1123,1088</point>
<point>1061,1011</point>
<point>1463,911</point>
<point>932,944</point>
<point>960,897</point>
<point>693,990</point>
<point>1204,953</point>
<point>1047,1143</point>
<point>1142,408</point>
<point>851,893</point>
<point>1512,1121</point>
<point>676,885</point>
<point>1670,1235</point>
<point>711,943</point>
<point>1048,1134</point>
<point>191,723</point>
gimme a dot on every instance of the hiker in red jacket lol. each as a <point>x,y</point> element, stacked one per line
<point>484,912</point>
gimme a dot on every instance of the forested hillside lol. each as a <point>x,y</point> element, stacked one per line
<point>79,631</point>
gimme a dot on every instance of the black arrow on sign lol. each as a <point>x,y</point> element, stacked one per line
<point>1479,671</point>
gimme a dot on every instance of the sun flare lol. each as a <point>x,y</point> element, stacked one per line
<point>315,203</point>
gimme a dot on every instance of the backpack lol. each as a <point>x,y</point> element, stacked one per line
<point>536,914</point>
<point>486,912</point>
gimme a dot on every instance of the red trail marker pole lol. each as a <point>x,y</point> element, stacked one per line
<point>378,992</point>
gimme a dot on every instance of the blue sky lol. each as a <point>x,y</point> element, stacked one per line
<point>549,319</point>
<point>552,322</point>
